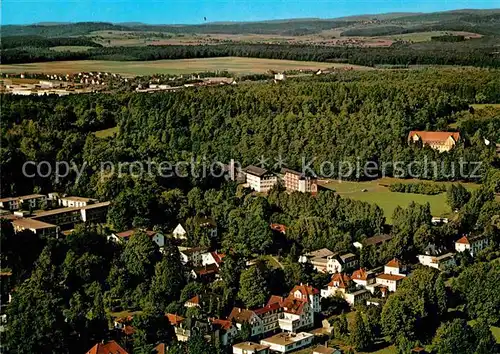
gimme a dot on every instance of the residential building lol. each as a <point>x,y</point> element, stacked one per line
<point>317,258</point>
<point>26,202</point>
<point>107,348</point>
<point>206,272</point>
<point>390,281</point>
<point>295,181</point>
<point>39,228</point>
<point>209,258</point>
<point>307,294</point>
<point>193,302</point>
<point>250,348</point>
<point>297,314</point>
<point>279,77</point>
<point>227,330</point>
<point>373,241</point>
<point>437,258</point>
<point>357,297</point>
<point>174,319</point>
<point>64,217</point>
<point>395,266</point>
<point>341,262</point>
<point>287,342</point>
<point>78,202</point>
<point>440,141</point>
<point>362,278</point>
<point>124,236</point>
<point>270,314</point>
<point>240,316</point>
<point>259,179</point>
<point>338,285</point>
<point>96,212</point>
<point>192,255</point>
<point>179,232</point>
<point>472,244</point>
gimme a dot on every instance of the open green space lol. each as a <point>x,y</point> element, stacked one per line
<point>177,66</point>
<point>106,132</point>
<point>71,48</point>
<point>378,193</point>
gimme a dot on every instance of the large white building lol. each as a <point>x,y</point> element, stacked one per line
<point>287,342</point>
<point>472,244</point>
<point>259,179</point>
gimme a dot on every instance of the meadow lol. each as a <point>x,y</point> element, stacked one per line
<point>378,193</point>
<point>178,66</point>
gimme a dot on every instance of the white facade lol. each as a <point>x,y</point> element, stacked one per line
<point>442,262</point>
<point>261,184</point>
<point>250,348</point>
<point>287,342</point>
<point>473,245</point>
<point>179,232</point>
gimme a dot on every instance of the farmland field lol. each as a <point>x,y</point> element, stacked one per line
<point>71,48</point>
<point>178,66</point>
<point>379,194</point>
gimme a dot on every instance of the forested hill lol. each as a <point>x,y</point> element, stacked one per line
<point>351,116</point>
<point>482,21</point>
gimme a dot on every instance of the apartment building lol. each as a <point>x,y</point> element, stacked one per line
<point>295,181</point>
<point>259,179</point>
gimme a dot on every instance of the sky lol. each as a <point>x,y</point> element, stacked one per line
<point>194,11</point>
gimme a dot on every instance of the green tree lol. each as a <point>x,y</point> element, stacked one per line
<point>457,196</point>
<point>455,337</point>
<point>361,336</point>
<point>140,256</point>
<point>253,288</point>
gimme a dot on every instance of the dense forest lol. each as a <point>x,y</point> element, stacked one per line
<point>470,53</point>
<point>42,42</point>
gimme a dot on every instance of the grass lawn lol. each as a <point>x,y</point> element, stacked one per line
<point>426,36</point>
<point>378,194</point>
<point>178,66</point>
<point>485,105</point>
<point>106,132</point>
<point>71,48</point>
<point>125,313</point>
<point>496,333</point>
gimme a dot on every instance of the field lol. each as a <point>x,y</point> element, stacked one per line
<point>70,48</point>
<point>179,66</point>
<point>106,132</point>
<point>485,105</point>
<point>426,36</point>
<point>378,194</point>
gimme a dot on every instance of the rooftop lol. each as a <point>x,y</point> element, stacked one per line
<point>107,348</point>
<point>31,224</point>
<point>286,338</point>
<point>256,171</point>
<point>428,136</point>
<point>79,199</point>
<point>322,252</point>
<point>390,277</point>
<point>377,239</point>
<point>250,346</point>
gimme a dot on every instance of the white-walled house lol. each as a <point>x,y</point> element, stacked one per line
<point>209,258</point>
<point>326,261</point>
<point>395,266</point>
<point>192,255</point>
<point>179,232</point>
<point>437,258</point>
<point>472,244</point>
<point>241,316</point>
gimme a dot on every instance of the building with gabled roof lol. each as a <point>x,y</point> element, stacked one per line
<point>472,244</point>
<point>110,347</point>
<point>440,141</point>
<point>295,181</point>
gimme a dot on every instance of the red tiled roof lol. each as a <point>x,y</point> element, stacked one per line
<point>464,240</point>
<point>428,136</point>
<point>161,348</point>
<point>174,319</point>
<point>267,308</point>
<point>394,263</point>
<point>207,269</point>
<point>275,299</point>
<point>107,348</point>
<point>225,324</point>
<point>305,290</point>
<point>240,315</point>
<point>217,257</point>
<point>341,278</point>
<point>129,233</point>
<point>278,227</point>
<point>360,274</point>
<point>128,330</point>
<point>194,300</point>
<point>294,306</point>
<point>391,277</point>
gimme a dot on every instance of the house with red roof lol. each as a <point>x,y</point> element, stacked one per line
<point>107,348</point>
<point>472,244</point>
<point>210,258</point>
<point>363,277</point>
<point>227,330</point>
<point>440,141</point>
